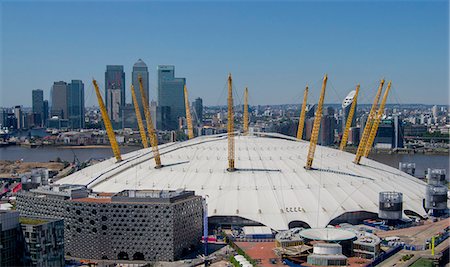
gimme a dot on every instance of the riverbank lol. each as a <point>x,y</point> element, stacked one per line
<point>405,151</point>
<point>350,149</point>
<point>98,153</point>
<point>14,168</point>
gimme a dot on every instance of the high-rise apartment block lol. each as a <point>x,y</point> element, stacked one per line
<point>30,241</point>
<point>171,94</point>
<point>9,238</point>
<point>43,242</point>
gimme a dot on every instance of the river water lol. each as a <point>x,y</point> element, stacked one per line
<point>44,154</point>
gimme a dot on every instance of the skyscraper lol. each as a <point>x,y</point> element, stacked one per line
<point>58,96</point>
<point>75,104</point>
<point>346,105</point>
<point>19,116</point>
<point>140,68</point>
<point>129,117</point>
<point>38,106</point>
<point>198,109</point>
<point>171,94</point>
<point>114,92</point>
<point>45,113</point>
<point>326,132</point>
<point>398,131</point>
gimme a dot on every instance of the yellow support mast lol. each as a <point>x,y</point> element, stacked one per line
<point>231,167</point>
<point>188,114</point>
<point>150,128</point>
<point>351,113</point>
<point>316,126</point>
<point>301,120</point>
<point>246,111</point>
<point>139,118</point>
<point>376,123</point>
<point>368,127</point>
<point>107,122</point>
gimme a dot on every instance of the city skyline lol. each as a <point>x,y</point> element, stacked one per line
<point>352,42</point>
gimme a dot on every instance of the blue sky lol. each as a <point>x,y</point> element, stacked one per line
<point>274,48</point>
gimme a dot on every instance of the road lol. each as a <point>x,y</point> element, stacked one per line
<point>419,234</point>
<point>395,260</point>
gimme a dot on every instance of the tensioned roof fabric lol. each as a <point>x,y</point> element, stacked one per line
<point>270,185</point>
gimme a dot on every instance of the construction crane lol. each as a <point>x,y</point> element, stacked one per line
<point>351,113</point>
<point>376,123</point>
<point>246,111</point>
<point>188,114</point>
<point>107,122</point>
<point>368,127</point>
<point>139,118</point>
<point>301,120</point>
<point>316,126</point>
<point>231,167</point>
<point>150,128</point>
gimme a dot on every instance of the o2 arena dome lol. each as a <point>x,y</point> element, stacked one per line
<point>270,185</point>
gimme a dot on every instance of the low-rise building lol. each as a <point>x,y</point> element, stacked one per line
<point>327,254</point>
<point>289,238</point>
<point>144,225</point>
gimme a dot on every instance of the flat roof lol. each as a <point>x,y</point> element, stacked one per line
<point>327,234</point>
<point>256,230</point>
<point>93,199</point>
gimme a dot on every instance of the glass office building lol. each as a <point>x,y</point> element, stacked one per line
<point>75,104</point>
<point>58,96</point>
<point>114,92</point>
<point>171,95</point>
<point>140,68</point>
<point>38,106</point>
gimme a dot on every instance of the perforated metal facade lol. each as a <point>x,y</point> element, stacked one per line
<point>121,227</point>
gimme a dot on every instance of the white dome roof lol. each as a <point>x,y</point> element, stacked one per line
<point>270,186</point>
